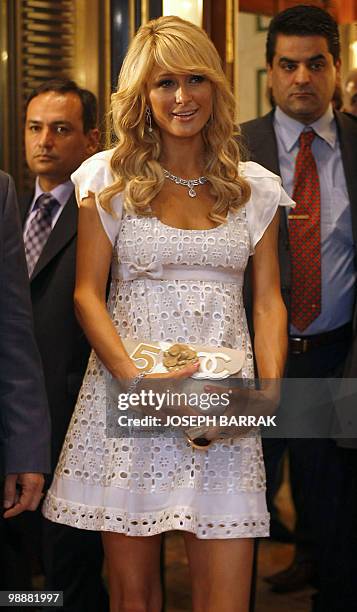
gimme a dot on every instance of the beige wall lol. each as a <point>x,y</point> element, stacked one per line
<point>251,50</point>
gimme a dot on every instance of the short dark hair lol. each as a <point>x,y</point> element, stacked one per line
<point>63,85</point>
<point>303,20</point>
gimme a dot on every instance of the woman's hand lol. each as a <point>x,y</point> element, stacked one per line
<point>131,371</point>
<point>153,395</point>
<point>244,402</point>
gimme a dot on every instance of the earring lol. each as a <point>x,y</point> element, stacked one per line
<point>148,118</point>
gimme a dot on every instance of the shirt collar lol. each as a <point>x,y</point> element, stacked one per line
<point>289,129</point>
<point>61,192</point>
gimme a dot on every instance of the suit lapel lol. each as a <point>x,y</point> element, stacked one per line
<point>347,132</point>
<point>24,205</point>
<point>348,140</point>
<point>62,233</point>
<point>265,144</point>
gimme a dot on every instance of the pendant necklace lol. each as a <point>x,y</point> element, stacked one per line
<point>189,183</point>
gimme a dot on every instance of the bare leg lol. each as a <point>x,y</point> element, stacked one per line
<point>221,572</point>
<point>133,565</point>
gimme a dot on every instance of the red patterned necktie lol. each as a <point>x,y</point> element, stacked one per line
<point>304,234</point>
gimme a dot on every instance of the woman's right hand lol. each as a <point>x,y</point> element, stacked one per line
<point>160,384</point>
<point>131,371</point>
<point>179,374</point>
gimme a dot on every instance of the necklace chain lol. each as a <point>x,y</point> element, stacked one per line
<point>190,183</point>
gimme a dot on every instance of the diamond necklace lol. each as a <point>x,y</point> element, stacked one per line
<point>190,183</point>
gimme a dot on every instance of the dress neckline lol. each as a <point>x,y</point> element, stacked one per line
<point>183,229</point>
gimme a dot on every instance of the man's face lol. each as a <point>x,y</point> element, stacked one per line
<point>303,76</point>
<point>351,96</point>
<point>54,139</point>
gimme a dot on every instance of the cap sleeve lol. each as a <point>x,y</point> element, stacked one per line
<point>92,177</point>
<point>266,195</point>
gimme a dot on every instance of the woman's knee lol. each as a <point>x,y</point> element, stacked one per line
<point>133,569</point>
<point>132,597</point>
<point>138,602</point>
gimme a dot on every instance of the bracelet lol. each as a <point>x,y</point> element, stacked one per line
<point>135,382</point>
<point>199,443</point>
<point>196,437</point>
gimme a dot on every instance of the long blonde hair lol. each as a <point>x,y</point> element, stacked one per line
<point>179,47</point>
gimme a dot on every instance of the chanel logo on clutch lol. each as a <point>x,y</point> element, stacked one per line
<point>158,357</point>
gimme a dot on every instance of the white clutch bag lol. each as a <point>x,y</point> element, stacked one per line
<point>159,357</point>
<point>216,363</point>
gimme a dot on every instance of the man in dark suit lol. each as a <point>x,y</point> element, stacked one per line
<point>60,133</point>
<point>303,62</point>
<point>25,428</point>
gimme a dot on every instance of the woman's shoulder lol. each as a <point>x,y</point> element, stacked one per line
<point>252,170</point>
<point>100,159</point>
<point>266,187</point>
<point>95,171</point>
<point>266,196</point>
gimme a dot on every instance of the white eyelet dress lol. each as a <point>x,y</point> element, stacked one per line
<point>148,485</point>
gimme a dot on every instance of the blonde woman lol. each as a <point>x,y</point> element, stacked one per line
<point>173,115</point>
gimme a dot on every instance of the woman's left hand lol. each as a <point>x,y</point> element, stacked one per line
<point>244,402</point>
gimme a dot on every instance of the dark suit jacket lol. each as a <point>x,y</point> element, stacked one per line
<point>24,418</point>
<point>259,137</point>
<point>63,347</point>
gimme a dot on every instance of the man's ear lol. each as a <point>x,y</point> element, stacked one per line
<point>269,76</point>
<point>92,141</point>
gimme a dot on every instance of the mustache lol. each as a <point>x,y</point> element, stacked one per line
<point>44,154</point>
<point>303,90</point>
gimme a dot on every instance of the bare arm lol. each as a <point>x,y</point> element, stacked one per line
<point>270,339</point>
<point>94,256</point>
<point>269,312</point>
